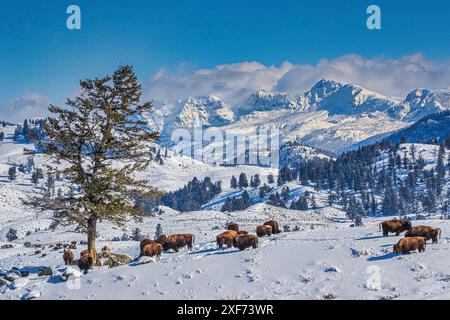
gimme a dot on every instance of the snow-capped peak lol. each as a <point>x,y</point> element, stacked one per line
<point>338,98</point>
<point>421,102</point>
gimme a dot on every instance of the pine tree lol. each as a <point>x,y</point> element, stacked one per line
<point>12,173</point>
<point>11,235</point>
<point>314,203</point>
<point>243,182</point>
<point>285,193</point>
<point>136,234</point>
<point>159,231</point>
<point>103,139</point>
<point>440,170</point>
<point>264,190</point>
<point>233,183</point>
<point>390,200</point>
<point>35,177</point>
<point>2,136</point>
<point>255,181</point>
<point>270,179</point>
<point>355,211</point>
<point>275,200</point>
<point>300,204</point>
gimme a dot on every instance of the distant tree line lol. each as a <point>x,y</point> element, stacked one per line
<point>193,195</point>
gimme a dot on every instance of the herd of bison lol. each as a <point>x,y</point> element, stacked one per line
<point>415,239</point>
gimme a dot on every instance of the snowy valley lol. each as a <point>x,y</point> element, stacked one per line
<point>317,256</point>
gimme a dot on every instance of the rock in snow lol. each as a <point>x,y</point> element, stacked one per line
<point>142,260</point>
<point>31,295</point>
<point>70,273</point>
<point>19,283</point>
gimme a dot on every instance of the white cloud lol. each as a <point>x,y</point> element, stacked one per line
<point>229,82</point>
<point>232,82</point>
<point>29,105</point>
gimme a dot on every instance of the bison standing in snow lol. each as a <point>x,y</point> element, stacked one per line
<point>394,226</point>
<point>406,245</point>
<point>85,263</point>
<point>264,230</point>
<point>68,257</point>
<point>226,238</point>
<point>177,241</point>
<point>426,232</point>
<point>275,226</point>
<point>233,226</point>
<point>153,249</point>
<point>94,257</point>
<point>149,241</point>
<point>245,241</point>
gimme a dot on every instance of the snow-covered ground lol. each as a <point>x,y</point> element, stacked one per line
<point>322,258</point>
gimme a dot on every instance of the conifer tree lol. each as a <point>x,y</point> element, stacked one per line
<point>233,183</point>
<point>102,139</point>
<point>243,182</point>
<point>12,173</point>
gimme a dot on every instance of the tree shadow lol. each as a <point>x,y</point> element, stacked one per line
<point>369,238</point>
<point>386,256</point>
<point>54,279</point>
<point>214,251</point>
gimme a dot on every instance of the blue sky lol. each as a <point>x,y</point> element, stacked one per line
<point>39,56</point>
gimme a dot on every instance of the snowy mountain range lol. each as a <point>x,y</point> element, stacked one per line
<point>331,115</point>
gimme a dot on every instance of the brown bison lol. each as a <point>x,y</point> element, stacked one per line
<point>245,241</point>
<point>85,263</point>
<point>275,226</point>
<point>148,241</point>
<point>153,249</point>
<point>233,226</point>
<point>68,257</point>
<point>227,238</point>
<point>426,232</point>
<point>177,241</point>
<point>242,232</point>
<point>264,230</point>
<point>394,226</point>
<point>84,252</point>
<point>94,257</point>
<point>406,245</point>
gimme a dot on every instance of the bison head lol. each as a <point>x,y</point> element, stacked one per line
<point>397,249</point>
<point>406,225</point>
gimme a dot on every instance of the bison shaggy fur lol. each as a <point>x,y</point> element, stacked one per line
<point>226,238</point>
<point>394,226</point>
<point>85,263</point>
<point>426,232</point>
<point>68,257</point>
<point>275,226</point>
<point>245,241</point>
<point>264,230</point>
<point>153,249</point>
<point>177,241</point>
<point>406,245</point>
<point>233,226</point>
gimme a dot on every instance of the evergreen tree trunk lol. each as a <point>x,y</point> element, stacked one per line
<point>91,234</point>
